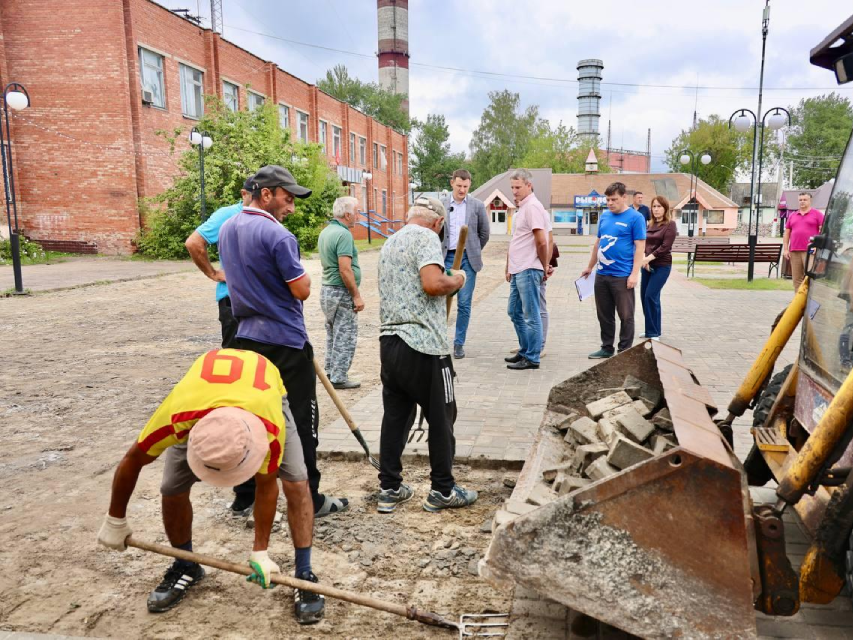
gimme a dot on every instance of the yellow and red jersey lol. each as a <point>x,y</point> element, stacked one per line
<point>220,378</point>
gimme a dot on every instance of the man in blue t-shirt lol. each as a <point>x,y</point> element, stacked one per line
<point>616,258</point>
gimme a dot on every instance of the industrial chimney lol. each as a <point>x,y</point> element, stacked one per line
<point>589,95</point>
<point>394,47</point>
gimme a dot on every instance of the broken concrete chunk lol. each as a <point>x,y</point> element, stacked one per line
<point>541,494</point>
<point>561,408</point>
<point>599,407</point>
<point>643,407</point>
<point>586,453</point>
<point>626,453</point>
<point>582,431</point>
<point>661,443</point>
<point>606,430</point>
<point>637,389</point>
<point>518,508</point>
<point>559,421</point>
<point>566,484</point>
<point>634,426</point>
<point>550,474</point>
<point>502,517</point>
<point>599,469</point>
<point>663,420</point>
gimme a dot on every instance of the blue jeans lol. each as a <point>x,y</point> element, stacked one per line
<point>651,284</point>
<point>464,297</point>
<point>523,310</point>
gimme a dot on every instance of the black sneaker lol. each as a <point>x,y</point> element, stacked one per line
<point>458,497</point>
<point>242,506</point>
<point>390,498</point>
<point>180,577</point>
<point>308,606</point>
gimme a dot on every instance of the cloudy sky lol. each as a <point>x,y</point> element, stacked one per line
<point>532,48</point>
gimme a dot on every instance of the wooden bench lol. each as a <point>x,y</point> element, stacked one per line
<point>769,253</point>
<point>685,244</point>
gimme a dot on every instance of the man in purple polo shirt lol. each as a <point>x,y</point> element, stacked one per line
<point>799,229</point>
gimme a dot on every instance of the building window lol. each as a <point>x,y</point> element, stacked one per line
<point>284,116</point>
<point>400,161</point>
<point>375,156</point>
<point>192,104</point>
<point>231,96</point>
<point>151,72</point>
<point>323,132</point>
<point>256,101</point>
<point>336,142</point>
<point>351,148</point>
<point>383,159</point>
<point>375,197</point>
<point>302,126</point>
<point>715,216</point>
<point>384,203</point>
<point>362,151</point>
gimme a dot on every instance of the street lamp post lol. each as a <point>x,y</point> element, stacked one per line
<point>687,157</point>
<point>203,141</point>
<point>367,176</point>
<point>412,187</point>
<point>16,97</point>
<point>741,123</point>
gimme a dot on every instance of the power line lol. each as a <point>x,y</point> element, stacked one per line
<point>536,78</point>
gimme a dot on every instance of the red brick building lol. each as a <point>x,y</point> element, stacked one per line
<point>104,75</point>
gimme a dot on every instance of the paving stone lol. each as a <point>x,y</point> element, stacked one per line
<point>663,420</point>
<point>608,403</point>
<point>624,453</point>
<point>566,483</point>
<point>643,407</point>
<point>541,494</point>
<point>550,474</point>
<point>582,431</point>
<point>600,469</point>
<point>559,421</point>
<point>606,430</point>
<point>661,443</point>
<point>634,426</point>
<point>586,453</point>
<point>518,507</point>
<point>637,389</point>
<point>502,517</point>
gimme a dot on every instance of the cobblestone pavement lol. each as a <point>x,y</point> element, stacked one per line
<point>720,333</point>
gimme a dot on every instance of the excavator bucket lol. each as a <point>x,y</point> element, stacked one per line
<point>660,548</point>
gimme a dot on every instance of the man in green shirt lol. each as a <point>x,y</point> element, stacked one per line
<point>339,295</point>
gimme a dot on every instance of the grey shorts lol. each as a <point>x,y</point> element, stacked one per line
<point>178,477</point>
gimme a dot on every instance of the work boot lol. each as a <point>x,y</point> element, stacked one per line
<point>601,354</point>
<point>458,351</point>
<point>179,577</point>
<point>308,606</point>
<point>347,384</point>
<point>458,497</point>
<point>243,505</point>
<point>390,498</point>
<point>514,359</point>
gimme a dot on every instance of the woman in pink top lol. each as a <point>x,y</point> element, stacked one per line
<point>801,226</point>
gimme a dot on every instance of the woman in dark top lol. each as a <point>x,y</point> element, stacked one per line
<point>657,264</point>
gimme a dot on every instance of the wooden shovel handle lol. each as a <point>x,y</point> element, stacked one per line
<point>333,394</point>
<point>457,258</point>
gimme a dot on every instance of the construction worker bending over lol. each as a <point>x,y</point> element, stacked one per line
<point>222,424</point>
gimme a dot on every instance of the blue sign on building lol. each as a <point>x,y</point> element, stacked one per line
<point>591,201</point>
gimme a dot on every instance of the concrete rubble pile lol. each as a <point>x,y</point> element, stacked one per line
<point>624,427</point>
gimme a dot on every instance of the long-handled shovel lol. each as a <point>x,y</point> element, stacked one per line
<point>420,434</point>
<point>333,394</point>
<point>411,612</point>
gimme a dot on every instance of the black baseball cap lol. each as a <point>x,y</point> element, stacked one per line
<point>249,183</point>
<point>273,175</point>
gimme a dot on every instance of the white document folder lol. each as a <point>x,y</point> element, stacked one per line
<point>585,286</point>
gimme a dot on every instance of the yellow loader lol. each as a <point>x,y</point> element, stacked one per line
<point>654,532</point>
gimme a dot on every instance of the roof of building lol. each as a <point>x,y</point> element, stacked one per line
<point>675,187</point>
<point>541,185</point>
<point>740,194</point>
<point>820,196</point>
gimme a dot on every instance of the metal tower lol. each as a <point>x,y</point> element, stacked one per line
<point>589,96</point>
<point>216,16</point>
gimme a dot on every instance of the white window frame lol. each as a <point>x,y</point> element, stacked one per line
<point>192,106</point>
<point>351,148</point>
<point>156,71</point>
<point>286,123</point>
<point>337,141</point>
<point>362,151</point>
<point>323,135</point>
<point>252,100</point>
<point>384,213</point>
<point>383,153</point>
<point>226,84</point>
<point>299,123</point>
<point>375,155</point>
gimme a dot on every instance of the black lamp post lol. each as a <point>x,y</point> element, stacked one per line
<point>202,141</point>
<point>687,157</point>
<point>16,97</point>
<point>368,177</point>
<point>741,122</point>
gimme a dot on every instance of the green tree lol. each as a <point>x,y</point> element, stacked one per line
<point>431,161</point>
<point>561,150</point>
<point>368,97</point>
<point>243,141</point>
<point>820,129</point>
<point>730,151</point>
<point>503,137</point>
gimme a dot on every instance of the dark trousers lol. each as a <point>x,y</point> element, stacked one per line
<point>612,295</point>
<point>410,379</point>
<point>296,367</point>
<point>651,284</point>
<point>228,323</point>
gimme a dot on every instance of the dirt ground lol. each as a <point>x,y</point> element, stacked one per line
<point>83,370</point>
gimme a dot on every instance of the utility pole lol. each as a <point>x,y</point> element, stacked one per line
<point>216,16</point>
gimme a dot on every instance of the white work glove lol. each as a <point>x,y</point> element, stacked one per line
<point>114,532</point>
<point>459,272</point>
<point>262,569</point>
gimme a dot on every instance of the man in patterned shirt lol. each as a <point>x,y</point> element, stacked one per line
<point>223,423</point>
<point>415,356</point>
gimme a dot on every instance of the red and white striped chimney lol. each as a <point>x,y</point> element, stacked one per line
<point>394,47</point>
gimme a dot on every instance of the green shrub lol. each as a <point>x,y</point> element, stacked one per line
<point>243,141</point>
<point>31,252</point>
